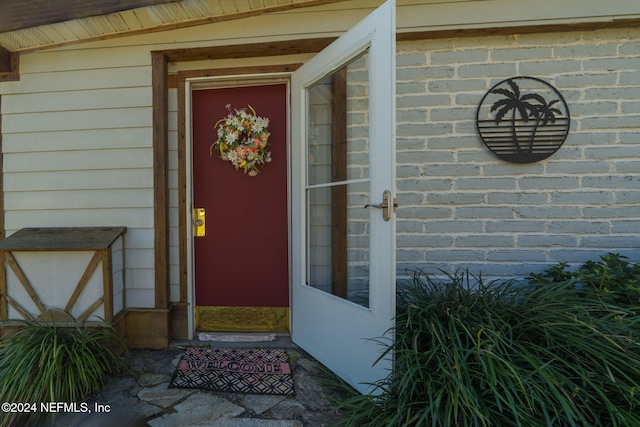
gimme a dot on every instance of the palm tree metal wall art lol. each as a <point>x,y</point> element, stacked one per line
<point>518,123</point>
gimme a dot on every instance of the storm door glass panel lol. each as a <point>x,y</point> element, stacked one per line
<point>338,183</point>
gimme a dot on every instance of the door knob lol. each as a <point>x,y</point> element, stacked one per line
<point>386,205</point>
<point>199,222</point>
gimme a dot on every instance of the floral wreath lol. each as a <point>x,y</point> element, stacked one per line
<point>242,140</point>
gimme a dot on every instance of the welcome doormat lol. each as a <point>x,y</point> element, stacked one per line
<point>238,370</point>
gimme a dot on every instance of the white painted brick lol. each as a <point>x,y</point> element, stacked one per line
<point>425,212</point>
<point>485,183</point>
<point>455,198</point>
<point>411,59</point>
<point>452,56</point>
<point>627,197</point>
<point>416,101</point>
<point>405,199</point>
<point>409,227</point>
<point>547,240</point>
<point>594,108</point>
<point>457,226</point>
<point>618,182</point>
<point>517,198</point>
<point>455,169</point>
<point>611,212</point>
<point>578,227</point>
<point>546,212</point>
<point>587,167</point>
<point>588,198</point>
<point>521,53</point>
<point>611,241</point>
<point>582,201</point>
<point>629,136</point>
<point>457,255</point>
<point>628,167</point>
<point>475,70</point>
<point>615,93</point>
<point>546,68</point>
<point>625,227</point>
<point>422,73</point>
<point>516,255</point>
<point>456,85</point>
<point>481,212</point>
<point>511,169</point>
<point>482,241</point>
<point>548,182</point>
<point>589,51</point>
<point>513,226</point>
<point>605,64</point>
<point>613,122</point>
<point>410,144</point>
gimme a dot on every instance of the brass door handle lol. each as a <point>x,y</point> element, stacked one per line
<point>385,205</point>
<point>199,222</point>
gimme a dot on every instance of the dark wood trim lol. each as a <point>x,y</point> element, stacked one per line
<point>88,272</point>
<point>3,290</point>
<point>3,273</point>
<point>145,327</point>
<point>160,178</point>
<point>511,30</point>
<point>254,50</point>
<point>339,193</point>
<point>182,76</point>
<point>5,60</point>
<point>183,220</point>
<point>107,278</point>
<point>19,14</point>
<point>172,81</point>
<point>13,70</point>
<point>2,214</point>
<point>179,321</point>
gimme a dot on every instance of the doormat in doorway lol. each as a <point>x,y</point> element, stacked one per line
<point>237,370</point>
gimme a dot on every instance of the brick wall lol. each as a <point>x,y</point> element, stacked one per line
<point>462,207</point>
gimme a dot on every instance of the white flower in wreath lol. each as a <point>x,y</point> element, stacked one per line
<point>242,140</point>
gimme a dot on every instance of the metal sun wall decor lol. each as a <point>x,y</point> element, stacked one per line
<point>523,120</point>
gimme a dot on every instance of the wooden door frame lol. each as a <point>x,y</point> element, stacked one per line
<point>173,317</point>
<point>203,80</point>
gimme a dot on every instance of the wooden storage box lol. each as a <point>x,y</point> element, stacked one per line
<point>63,274</point>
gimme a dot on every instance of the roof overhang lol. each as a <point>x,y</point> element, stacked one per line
<point>29,25</point>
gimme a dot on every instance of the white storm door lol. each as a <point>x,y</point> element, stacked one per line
<point>343,158</point>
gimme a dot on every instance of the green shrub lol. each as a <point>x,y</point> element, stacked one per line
<point>613,279</point>
<point>45,362</point>
<point>470,353</point>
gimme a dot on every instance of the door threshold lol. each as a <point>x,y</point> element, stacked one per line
<point>237,319</point>
<point>281,340</point>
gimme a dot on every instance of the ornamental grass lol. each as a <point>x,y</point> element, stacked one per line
<point>469,353</point>
<point>45,362</point>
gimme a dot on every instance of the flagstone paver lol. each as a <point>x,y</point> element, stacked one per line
<point>255,422</point>
<point>287,409</point>
<point>309,392</point>
<point>150,380</point>
<point>260,403</point>
<point>162,395</point>
<point>198,409</point>
<point>141,398</point>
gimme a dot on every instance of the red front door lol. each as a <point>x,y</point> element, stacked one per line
<point>242,261</point>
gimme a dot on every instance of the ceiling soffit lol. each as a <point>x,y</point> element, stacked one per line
<point>142,20</point>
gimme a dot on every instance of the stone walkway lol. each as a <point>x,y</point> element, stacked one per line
<point>142,398</point>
